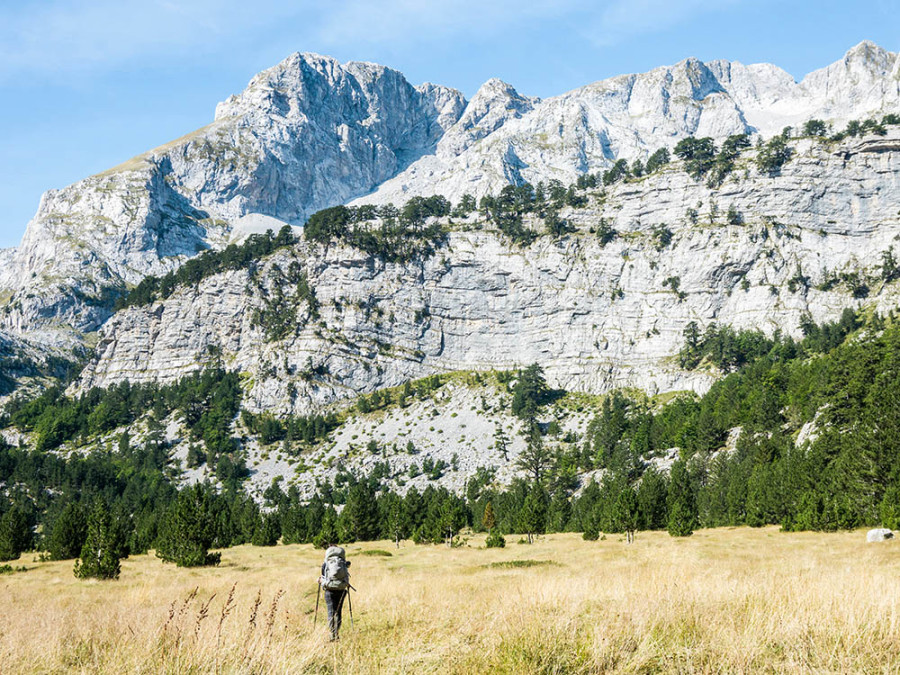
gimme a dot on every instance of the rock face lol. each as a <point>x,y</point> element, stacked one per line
<point>304,135</point>
<point>311,133</point>
<point>880,534</point>
<point>632,115</point>
<point>594,316</point>
<point>26,366</point>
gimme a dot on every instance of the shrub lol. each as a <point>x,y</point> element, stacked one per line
<point>662,237</point>
<point>605,232</point>
<point>514,564</point>
<point>815,128</point>
<point>495,539</point>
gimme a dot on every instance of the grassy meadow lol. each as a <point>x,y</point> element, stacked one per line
<point>725,600</point>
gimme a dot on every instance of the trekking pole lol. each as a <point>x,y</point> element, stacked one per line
<point>318,592</point>
<point>350,604</point>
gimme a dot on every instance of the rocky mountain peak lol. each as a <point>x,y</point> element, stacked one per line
<point>869,52</point>
<point>701,80</point>
<point>858,85</point>
<point>311,132</point>
<point>494,104</point>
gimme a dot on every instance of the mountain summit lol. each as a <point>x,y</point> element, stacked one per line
<point>311,133</point>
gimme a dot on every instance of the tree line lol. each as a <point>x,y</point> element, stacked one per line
<point>395,235</point>
<point>655,466</point>
<point>233,257</point>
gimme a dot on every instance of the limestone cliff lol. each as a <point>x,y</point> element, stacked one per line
<point>759,251</point>
<point>310,133</point>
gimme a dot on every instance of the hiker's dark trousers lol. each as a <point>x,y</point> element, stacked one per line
<point>334,601</point>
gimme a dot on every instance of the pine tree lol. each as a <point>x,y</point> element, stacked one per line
<point>102,548</point>
<point>758,505</point>
<point>487,518</point>
<point>15,534</point>
<point>359,519</point>
<point>430,528</point>
<point>533,517</point>
<point>413,510</point>
<point>293,524</point>
<point>681,503</point>
<point>529,393</point>
<point>652,495</point>
<point>188,529</point>
<point>245,521</point>
<point>501,442</point>
<point>69,533</point>
<point>452,517</point>
<point>890,508</point>
<point>626,512</point>
<point>328,534</point>
<point>560,511</point>
<point>489,522</point>
<point>535,458</point>
<point>267,530</point>
<point>392,516</point>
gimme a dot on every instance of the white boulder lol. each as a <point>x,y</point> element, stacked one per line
<point>879,534</point>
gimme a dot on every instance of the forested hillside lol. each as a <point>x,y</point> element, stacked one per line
<point>814,421</point>
<point>678,335</point>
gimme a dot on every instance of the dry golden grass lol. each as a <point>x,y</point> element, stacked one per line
<point>727,600</point>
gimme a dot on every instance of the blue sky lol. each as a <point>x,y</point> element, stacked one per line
<point>86,85</point>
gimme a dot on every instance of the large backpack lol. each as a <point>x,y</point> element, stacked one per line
<point>336,576</point>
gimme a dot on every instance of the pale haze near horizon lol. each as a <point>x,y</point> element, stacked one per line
<point>86,85</point>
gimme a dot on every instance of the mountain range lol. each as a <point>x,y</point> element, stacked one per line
<point>597,285</point>
<point>310,133</point>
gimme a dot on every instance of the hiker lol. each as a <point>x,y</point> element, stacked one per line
<point>335,581</point>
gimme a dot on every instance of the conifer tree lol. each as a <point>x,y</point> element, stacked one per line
<point>487,519</point>
<point>188,529</point>
<point>452,514</point>
<point>69,533</point>
<point>626,512</point>
<point>890,508</point>
<point>328,533</point>
<point>102,548</point>
<point>681,503</point>
<point>359,519</point>
<point>293,524</point>
<point>529,393</point>
<point>533,517</point>
<point>652,495</point>
<point>15,534</point>
<point>267,530</point>
<point>394,518</point>
<point>560,511</point>
<point>758,504</point>
<point>413,510</point>
<point>535,458</point>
